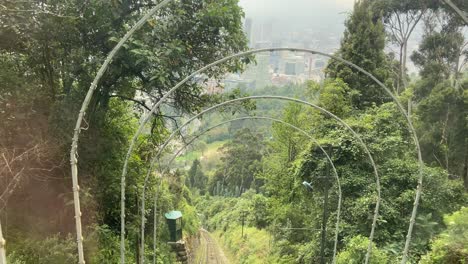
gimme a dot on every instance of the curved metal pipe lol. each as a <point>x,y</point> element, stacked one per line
<point>457,10</point>
<point>338,214</point>
<point>352,65</point>
<point>77,130</point>
<point>73,152</point>
<point>377,178</point>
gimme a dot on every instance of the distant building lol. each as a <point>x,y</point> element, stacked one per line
<point>267,31</point>
<point>293,65</point>
<point>234,80</point>
<point>231,84</point>
<point>282,79</point>
<point>263,44</point>
<point>290,68</point>
<point>275,56</point>
<point>320,64</point>
<point>261,72</point>
<point>248,30</point>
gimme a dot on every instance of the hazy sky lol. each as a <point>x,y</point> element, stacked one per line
<point>318,15</point>
<point>293,7</point>
<point>300,13</point>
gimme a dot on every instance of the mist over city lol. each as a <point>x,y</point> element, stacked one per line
<point>291,20</point>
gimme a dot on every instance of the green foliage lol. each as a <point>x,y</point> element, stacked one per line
<point>442,125</point>
<point>196,178</point>
<point>384,131</point>
<point>191,220</point>
<point>439,55</point>
<point>451,246</point>
<point>224,215</point>
<point>50,50</point>
<point>104,246</point>
<point>52,250</point>
<point>259,210</point>
<point>240,162</point>
<point>333,95</point>
<point>355,251</point>
<point>253,248</point>
<point>363,44</point>
<point>290,158</point>
<point>49,54</point>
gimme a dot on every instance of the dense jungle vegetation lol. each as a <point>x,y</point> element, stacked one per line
<point>246,176</point>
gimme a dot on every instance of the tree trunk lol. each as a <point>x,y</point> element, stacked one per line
<point>403,64</point>
<point>410,106</point>
<point>325,215</point>
<point>2,247</point>
<point>400,72</point>
<point>138,249</point>
<point>465,171</point>
<point>155,223</point>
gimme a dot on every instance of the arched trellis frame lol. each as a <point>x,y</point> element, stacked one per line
<point>457,10</point>
<point>324,111</point>
<point>350,64</point>
<point>330,161</point>
<point>132,143</point>
<point>79,121</point>
<point>74,148</point>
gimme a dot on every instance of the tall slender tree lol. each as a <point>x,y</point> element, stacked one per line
<point>363,43</point>
<point>401,18</point>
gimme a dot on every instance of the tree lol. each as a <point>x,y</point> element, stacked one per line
<point>50,51</point>
<point>442,55</point>
<point>401,18</point>
<point>363,44</point>
<point>202,146</point>
<point>439,95</point>
<point>196,178</point>
<point>189,34</point>
<point>442,126</point>
<point>383,130</point>
<point>241,161</point>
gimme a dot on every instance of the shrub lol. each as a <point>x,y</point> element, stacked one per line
<point>451,246</point>
<point>355,252</point>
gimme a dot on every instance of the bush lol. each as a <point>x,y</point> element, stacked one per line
<point>451,246</point>
<point>52,250</point>
<point>104,245</point>
<point>355,252</point>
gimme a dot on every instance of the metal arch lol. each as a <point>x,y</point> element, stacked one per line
<point>73,152</point>
<point>388,91</point>
<point>284,123</point>
<point>457,10</point>
<point>377,178</point>
<point>77,130</point>
<point>74,148</point>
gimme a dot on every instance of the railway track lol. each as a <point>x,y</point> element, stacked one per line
<point>213,253</point>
